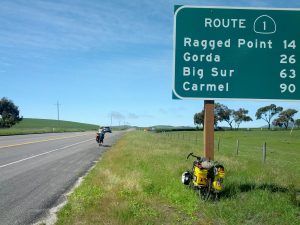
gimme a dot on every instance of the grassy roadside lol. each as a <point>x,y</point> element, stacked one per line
<point>138,182</point>
<point>37,126</point>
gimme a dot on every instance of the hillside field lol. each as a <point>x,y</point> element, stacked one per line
<point>29,126</point>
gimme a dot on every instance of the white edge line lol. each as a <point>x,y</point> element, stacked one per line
<point>234,7</point>
<point>54,150</point>
<point>51,217</point>
<point>174,52</point>
<point>240,99</point>
<point>220,7</point>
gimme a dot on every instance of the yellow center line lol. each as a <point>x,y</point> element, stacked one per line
<point>40,141</point>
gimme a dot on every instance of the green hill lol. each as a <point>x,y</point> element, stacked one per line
<point>29,126</point>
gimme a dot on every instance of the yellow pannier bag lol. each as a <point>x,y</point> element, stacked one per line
<point>200,176</point>
<point>218,179</point>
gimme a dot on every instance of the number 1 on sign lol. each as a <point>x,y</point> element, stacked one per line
<point>265,25</point>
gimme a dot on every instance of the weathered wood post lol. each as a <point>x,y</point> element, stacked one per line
<point>264,152</point>
<point>208,132</point>
<point>237,147</point>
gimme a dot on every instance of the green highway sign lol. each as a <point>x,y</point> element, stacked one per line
<point>236,53</point>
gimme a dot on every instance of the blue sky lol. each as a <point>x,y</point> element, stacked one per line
<point>101,60</point>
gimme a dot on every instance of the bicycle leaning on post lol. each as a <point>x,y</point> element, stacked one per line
<point>206,177</point>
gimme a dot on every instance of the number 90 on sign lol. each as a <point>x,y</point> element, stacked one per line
<point>291,88</point>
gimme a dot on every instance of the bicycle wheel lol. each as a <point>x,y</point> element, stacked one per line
<point>204,192</point>
<point>217,197</point>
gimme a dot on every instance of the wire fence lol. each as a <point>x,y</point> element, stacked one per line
<point>238,146</point>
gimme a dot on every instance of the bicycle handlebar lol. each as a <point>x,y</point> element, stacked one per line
<point>192,154</point>
<point>189,155</point>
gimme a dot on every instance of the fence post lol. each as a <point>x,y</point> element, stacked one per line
<point>237,147</point>
<point>264,151</point>
<point>219,144</point>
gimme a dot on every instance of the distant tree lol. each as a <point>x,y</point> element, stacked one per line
<point>9,113</point>
<point>241,116</point>
<point>267,113</point>
<point>285,117</point>
<point>277,122</point>
<point>297,122</point>
<point>223,113</point>
<point>199,118</point>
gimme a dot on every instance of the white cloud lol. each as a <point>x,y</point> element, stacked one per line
<point>117,115</point>
<point>133,116</point>
<point>172,110</point>
<point>78,24</point>
<point>128,116</point>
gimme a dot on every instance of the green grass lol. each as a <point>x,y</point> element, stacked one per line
<point>30,126</point>
<point>138,182</point>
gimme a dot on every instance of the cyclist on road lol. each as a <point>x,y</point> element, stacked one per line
<point>101,137</point>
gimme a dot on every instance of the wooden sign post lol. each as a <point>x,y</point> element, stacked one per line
<point>208,132</point>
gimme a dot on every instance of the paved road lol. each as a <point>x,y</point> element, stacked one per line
<point>37,170</point>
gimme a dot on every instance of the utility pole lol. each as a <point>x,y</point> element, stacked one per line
<point>111,118</point>
<point>57,105</point>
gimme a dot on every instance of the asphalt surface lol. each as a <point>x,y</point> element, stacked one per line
<point>37,170</point>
